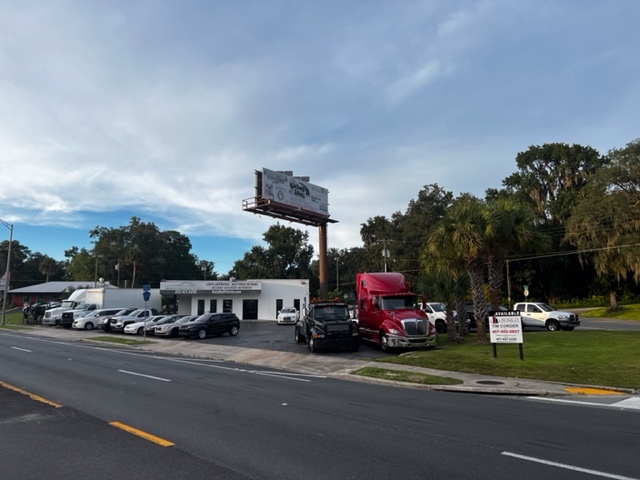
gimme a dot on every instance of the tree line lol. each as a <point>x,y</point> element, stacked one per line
<point>566,223</point>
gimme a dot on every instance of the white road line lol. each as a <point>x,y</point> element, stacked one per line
<point>629,403</point>
<point>632,402</point>
<point>284,375</point>
<point>568,467</point>
<point>22,349</point>
<point>146,376</point>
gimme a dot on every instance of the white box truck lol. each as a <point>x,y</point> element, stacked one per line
<point>87,299</point>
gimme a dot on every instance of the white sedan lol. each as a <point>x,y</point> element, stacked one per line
<point>288,315</point>
<point>137,328</point>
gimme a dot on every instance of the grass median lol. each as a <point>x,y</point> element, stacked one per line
<point>589,357</point>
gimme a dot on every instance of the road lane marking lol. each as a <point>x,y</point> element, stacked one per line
<point>140,433</point>
<point>568,467</point>
<point>284,375</point>
<point>632,402</point>
<point>22,349</point>
<point>30,395</point>
<point>146,376</point>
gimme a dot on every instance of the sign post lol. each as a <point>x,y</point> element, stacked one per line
<point>506,327</point>
<point>146,294</point>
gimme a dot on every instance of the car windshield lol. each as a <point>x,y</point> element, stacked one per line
<point>438,307</point>
<point>287,310</point>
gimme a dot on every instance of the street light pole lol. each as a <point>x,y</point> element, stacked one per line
<point>8,272</point>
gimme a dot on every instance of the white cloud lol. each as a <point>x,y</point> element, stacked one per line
<point>168,109</point>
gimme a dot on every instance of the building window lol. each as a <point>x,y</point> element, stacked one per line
<point>227,306</point>
<point>213,306</point>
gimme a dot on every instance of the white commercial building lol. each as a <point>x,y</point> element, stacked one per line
<point>248,299</point>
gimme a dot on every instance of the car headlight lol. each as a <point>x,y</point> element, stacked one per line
<point>563,317</point>
<point>395,331</point>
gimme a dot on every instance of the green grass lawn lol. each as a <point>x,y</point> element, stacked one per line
<point>590,357</point>
<point>626,312</point>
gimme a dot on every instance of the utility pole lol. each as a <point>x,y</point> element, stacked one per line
<point>7,274</point>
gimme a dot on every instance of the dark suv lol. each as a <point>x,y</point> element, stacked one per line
<point>327,324</point>
<point>471,315</point>
<point>211,324</point>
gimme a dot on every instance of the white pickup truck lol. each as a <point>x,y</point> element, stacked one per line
<point>539,314</point>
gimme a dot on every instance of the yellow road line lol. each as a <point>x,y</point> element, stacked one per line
<point>140,433</point>
<point>30,395</point>
<point>592,391</point>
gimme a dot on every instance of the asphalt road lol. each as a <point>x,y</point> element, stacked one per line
<point>231,421</point>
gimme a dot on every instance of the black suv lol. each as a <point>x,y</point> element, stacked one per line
<point>471,315</point>
<point>327,324</point>
<point>211,324</point>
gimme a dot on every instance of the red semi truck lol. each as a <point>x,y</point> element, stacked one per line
<point>389,315</point>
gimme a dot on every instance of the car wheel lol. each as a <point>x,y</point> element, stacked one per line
<point>173,332</point>
<point>233,331</point>
<point>312,345</point>
<point>140,330</point>
<point>202,333</point>
<point>553,325</point>
<point>384,343</point>
<point>88,326</point>
<point>441,327</point>
<point>355,348</point>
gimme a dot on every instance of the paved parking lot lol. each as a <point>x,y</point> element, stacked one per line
<point>271,336</point>
<point>260,334</point>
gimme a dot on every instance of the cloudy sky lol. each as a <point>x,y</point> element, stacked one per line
<point>163,109</point>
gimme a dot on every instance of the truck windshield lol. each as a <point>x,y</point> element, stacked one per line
<point>332,311</point>
<point>395,303</point>
<point>68,303</point>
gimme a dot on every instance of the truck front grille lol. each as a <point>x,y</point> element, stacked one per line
<point>416,327</point>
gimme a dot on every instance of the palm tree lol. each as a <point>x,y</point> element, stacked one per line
<point>514,232</point>
<point>461,240</point>
<point>48,266</point>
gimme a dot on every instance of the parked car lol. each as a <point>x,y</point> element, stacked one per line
<point>117,323</point>
<point>150,329</point>
<point>143,325</point>
<point>105,323</point>
<point>211,324</point>
<point>542,315</point>
<point>288,315</point>
<point>471,316</point>
<point>94,318</point>
<point>172,327</point>
<point>437,312</point>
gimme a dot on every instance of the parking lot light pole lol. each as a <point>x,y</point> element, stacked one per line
<point>8,272</point>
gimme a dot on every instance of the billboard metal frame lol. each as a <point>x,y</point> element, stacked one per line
<point>267,206</point>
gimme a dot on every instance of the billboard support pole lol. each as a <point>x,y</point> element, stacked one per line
<point>322,259</point>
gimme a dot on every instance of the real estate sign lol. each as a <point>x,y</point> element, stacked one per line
<point>505,327</point>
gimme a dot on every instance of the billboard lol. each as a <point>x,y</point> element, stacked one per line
<point>293,192</point>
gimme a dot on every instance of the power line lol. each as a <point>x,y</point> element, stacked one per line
<point>559,254</point>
